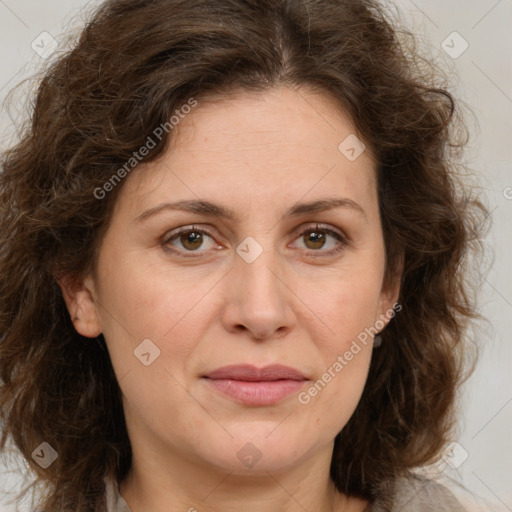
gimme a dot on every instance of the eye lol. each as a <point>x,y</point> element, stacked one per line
<point>316,237</point>
<point>189,239</point>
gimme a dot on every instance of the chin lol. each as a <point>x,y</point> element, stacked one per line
<point>257,453</point>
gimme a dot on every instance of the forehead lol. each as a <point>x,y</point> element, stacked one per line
<point>278,143</point>
<point>244,121</point>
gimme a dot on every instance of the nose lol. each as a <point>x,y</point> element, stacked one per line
<point>259,301</point>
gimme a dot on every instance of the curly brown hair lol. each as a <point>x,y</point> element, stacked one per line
<point>135,63</point>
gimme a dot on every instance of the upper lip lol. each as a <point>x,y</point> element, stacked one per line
<point>251,373</point>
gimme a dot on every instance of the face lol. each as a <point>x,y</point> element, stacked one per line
<point>269,284</point>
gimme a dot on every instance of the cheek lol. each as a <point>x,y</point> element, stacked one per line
<point>334,395</point>
<point>147,301</point>
<point>346,306</point>
<point>347,309</point>
<point>327,405</point>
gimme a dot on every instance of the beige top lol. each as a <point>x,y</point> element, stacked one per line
<point>414,494</point>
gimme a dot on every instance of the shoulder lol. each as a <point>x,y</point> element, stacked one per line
<point>424,495</point>
<point>114,502</point>
<point>415,493</point>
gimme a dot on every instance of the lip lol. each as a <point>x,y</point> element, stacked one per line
<point>251,373</point>
<point>256,386</point>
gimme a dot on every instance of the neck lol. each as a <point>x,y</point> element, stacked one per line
<point>181,484</point>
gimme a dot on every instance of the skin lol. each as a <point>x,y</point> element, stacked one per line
<point>257,154</point>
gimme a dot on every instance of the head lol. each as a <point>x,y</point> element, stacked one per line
<point>113,314</point>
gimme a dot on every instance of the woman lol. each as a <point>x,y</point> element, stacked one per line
<point>233,245</point>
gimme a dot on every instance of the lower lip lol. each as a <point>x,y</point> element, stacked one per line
<point>257,393</point>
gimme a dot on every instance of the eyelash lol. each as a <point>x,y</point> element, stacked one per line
<point>311,228</point>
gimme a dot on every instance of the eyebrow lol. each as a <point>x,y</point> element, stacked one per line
<point>210,209</point>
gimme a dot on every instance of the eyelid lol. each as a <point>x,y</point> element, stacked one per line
<point>311,226</point>
<point>185,229</point>
<point>342,238</point>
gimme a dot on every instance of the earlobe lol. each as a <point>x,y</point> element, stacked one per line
<point>81,306</point>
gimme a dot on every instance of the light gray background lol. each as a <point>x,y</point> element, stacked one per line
<point>483,78</point>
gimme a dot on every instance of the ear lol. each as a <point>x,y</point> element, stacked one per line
<point>389,294</point>
<point>82,308</point>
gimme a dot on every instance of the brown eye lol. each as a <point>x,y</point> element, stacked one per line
<point>191,240</point>
<point>321,240</point>
<point>314,239</point>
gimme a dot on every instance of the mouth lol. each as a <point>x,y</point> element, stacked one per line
<point>256,386</point>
